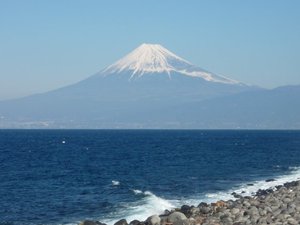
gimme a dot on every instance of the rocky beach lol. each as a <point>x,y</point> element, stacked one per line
<point>278,205</point>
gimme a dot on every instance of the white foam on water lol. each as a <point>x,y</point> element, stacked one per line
<point>115,182</point>
<point>149,205</point>
<point>137,192</point>
<point>245,189</point>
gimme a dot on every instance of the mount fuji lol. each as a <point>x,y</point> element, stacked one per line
<point>151,87</point>
<point>151,72</point>
<point>155,59</point>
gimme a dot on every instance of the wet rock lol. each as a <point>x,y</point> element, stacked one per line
<point>261,192</point>
<point>270,180</point>
<point>291,184</point>
<point>202,204</point>
<point>166,213</point>
<point>121,222</point>
<point>134,222</point>
<point>186,210</point>
<point>153,220</point>
<point>234,194</point>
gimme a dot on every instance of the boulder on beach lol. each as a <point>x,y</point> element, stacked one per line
<point>121,222</point>
<point>175,216</point>
<point>134,222</point>
<point>153,220</point>
<point>202,204</point>
<point>280,205</point>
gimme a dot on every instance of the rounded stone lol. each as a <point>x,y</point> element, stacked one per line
<point>134,222</point>
<point>185,209</point>
<point>195,210</point>
<point>175,216</point>
<point>205,210</point>
<point>121,222</point>
<point>235,211</point>
<point>292,221</point>
<point>153,220</point>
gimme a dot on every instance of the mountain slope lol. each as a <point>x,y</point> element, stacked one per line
<point>278,108</point>
<point>262,109</point>
<point>149,79</point>
<point>153,58</point>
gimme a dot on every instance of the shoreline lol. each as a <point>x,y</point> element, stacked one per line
<point>277,205</point>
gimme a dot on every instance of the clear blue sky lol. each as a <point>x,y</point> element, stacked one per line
<point>49,44</point>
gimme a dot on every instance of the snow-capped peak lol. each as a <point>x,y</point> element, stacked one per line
<point>147,58</point>
<point>154,58</point>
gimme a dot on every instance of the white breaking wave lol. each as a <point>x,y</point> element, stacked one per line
<point>246,189</point>
<point>115,182</point>
<point>150,204</point>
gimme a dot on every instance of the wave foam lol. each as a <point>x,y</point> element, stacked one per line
<point>137,192</point>
<point>149,205</point>
<point>245,189</point>
<point>115,182</point>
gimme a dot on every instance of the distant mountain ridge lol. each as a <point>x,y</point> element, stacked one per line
<point>151,87</point>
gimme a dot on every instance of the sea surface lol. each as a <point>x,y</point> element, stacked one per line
<point>66,176</point>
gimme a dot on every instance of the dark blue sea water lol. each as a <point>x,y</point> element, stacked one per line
<point>65,176</point>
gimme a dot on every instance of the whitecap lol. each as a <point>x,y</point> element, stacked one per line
<point>149,205</point>
<point>115,182</point>
<point>137,192</point>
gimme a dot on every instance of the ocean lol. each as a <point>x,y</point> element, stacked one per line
<point>66,176</point>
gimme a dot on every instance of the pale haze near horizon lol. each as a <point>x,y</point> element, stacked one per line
<point>46,45</point>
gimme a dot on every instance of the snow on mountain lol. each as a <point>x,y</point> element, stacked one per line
<point>134,92</point>
<point>154,58</point>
